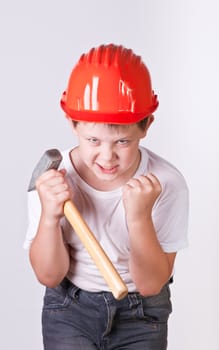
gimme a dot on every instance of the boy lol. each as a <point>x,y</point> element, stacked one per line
<point>135,203</point>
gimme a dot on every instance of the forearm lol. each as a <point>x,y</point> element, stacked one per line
<point>48,254</point>
<point>149,265</point>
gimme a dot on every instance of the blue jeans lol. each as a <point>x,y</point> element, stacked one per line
<point>74,319</point>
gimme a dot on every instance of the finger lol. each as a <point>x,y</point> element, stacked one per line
<point>141,180</point>
<point>153,179</point>
<point>145,179</point>
<point>62,171</point>
<point>59,188</point>
<point>62,196</point>
<point>155,182</point>
<point>50,174</point>
<point>133,182</point>
<point>56,197</point>
<point>50,178</point>
<point>56,181</point>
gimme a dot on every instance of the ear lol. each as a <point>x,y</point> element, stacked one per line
<point>72,126</point>
<point>150,120</point>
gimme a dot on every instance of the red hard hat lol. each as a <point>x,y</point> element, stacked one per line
<point>109,84</point>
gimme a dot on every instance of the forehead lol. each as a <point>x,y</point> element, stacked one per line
<point>101,127</point>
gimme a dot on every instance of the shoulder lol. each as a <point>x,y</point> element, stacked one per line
<point>169,176</point>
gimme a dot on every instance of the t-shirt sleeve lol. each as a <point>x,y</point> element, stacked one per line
<point>34,211</point>
<point>170,217</point>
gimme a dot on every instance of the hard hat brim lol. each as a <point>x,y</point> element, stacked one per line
<point>121,117</point>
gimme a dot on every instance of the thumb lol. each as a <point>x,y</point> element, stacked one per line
<point>63,171</point>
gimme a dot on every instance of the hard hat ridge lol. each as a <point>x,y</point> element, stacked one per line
<point>107,55</point>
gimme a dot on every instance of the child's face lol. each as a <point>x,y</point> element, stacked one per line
<point>108,153</point>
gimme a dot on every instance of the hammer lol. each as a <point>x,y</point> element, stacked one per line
<point>51,159</point>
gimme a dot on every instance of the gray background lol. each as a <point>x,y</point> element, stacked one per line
<point>178,40</point>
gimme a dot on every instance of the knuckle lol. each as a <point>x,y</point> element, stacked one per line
<point>39,185</point>
<point>65,186</point>
<point>52,171</point>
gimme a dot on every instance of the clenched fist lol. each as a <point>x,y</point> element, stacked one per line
<point>53,191</point>
<point>139,196</point>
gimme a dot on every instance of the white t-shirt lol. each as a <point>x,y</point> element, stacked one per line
<point>104,213</point>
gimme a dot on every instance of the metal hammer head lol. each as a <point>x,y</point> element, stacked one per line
<point>51,159</point>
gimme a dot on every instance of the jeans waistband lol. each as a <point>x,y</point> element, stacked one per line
<point>66,284</point>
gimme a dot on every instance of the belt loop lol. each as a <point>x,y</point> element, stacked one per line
<point>133,299</point>
<point>171,280</point>
<point>70,288</point>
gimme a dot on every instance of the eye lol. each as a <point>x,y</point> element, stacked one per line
<point>93,140</point>
<point>123,142</point>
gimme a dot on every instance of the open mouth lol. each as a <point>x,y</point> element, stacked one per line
<point>108,170</point>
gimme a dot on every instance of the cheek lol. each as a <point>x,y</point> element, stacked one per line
<point>86,153</point>
<point>129,156</point>
<point>126,156</point>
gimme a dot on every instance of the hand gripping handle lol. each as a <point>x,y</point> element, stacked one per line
<point>103,263</point>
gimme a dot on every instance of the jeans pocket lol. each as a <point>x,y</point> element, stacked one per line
<point>157,308</point>
<point>56,298</point>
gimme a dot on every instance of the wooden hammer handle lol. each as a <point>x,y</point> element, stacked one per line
<point>105,266</point>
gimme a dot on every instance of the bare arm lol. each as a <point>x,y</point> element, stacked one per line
<point>49,255</point>
<point>150,266</point>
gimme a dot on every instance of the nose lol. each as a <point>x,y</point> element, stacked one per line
<point>108,153</point>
